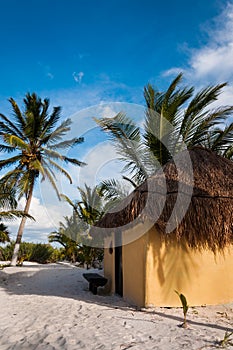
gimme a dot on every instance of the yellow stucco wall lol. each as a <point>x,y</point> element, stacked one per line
<point>152,270</point>
<point>134,268</point>
<point>204,278</point>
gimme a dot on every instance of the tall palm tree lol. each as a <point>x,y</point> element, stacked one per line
<point>34,138</point>
<point>172,122</point>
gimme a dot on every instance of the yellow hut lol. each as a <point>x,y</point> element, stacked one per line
<point>145,263</point>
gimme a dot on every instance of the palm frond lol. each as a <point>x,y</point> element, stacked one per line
<point>51,122</point>
<point>11,178</point>
<point>52,181</point>
<point>60,169</point>
<point>133,183</point>
<point>126,138</point>
<point>73,161</point>
<point>113,189</point>
<point>200,127</point>
<point>14,214</point>
<point>7,196</point>
<point>8,126</point>
<point>196,109</point>
<point>57,134</point>
<point>68,200</point>
<point>153,98</point>
<point>221,139</point>
<point>9,162</point>
<point>7,149</point>
<point>50,153</point>
<point>16,141</point>
<point>25,182</point>
<point>20,120</point>
<point>67,144</point>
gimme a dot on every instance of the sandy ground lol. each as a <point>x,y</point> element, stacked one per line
<point>49,307</point>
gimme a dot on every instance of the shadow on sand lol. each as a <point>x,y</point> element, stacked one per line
<point>66,281</point>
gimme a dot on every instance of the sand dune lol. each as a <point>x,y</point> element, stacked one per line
<point>45,307</point>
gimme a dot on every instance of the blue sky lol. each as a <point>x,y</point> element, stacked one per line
<point>83,53</point>
<point>50,45</point>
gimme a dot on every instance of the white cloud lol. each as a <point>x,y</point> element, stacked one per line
<point>46,216</point>
<point>50,75</point>
<point>212,63</point>
<point>47,211</point>
<point>102,163</point>
<point>215,59</point>
<point>78,77</point>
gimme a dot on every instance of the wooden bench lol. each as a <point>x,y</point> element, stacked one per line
<point>95,280</point>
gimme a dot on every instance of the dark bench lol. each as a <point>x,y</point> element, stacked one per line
<point>95,280</point>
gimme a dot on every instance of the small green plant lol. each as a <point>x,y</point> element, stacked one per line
<point>185,307</point>
<point>226,341</point>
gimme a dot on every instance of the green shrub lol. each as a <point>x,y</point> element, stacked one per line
<point>37,252</point>
<point>7,251</point>
<point>41,253</point>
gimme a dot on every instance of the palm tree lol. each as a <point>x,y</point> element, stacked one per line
<point>90,207</point>
<point>64,236</point>
<point>89,210</point>
<point>191,125</point>
<point>172,123</point>
<point>36,141</point>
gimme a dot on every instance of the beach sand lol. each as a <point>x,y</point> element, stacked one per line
<point>50,307</point>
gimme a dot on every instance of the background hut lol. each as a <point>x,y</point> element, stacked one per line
<point>174,232</point>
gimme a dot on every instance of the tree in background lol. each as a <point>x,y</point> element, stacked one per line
<point>68,236</point>
<point>36,141</point>
<point>87,210</point>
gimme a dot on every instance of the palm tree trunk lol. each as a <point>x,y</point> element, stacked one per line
<point>21,227</point>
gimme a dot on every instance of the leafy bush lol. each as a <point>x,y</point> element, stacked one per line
<point>41,253</point>
<point>37,252</point>
<point>7,251</point>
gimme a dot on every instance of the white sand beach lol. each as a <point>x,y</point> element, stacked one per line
<point>49,307</point>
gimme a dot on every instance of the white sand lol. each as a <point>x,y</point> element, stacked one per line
<point>49,307</point>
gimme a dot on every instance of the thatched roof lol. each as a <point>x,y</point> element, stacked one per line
<point>193,200</point>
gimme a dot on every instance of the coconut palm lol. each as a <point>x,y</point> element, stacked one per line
<point>35,140</point>
<point>172,122</point>
<point>65,237</point>
<point>90,207</point>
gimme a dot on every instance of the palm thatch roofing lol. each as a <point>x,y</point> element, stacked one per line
<point>195,204</point>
